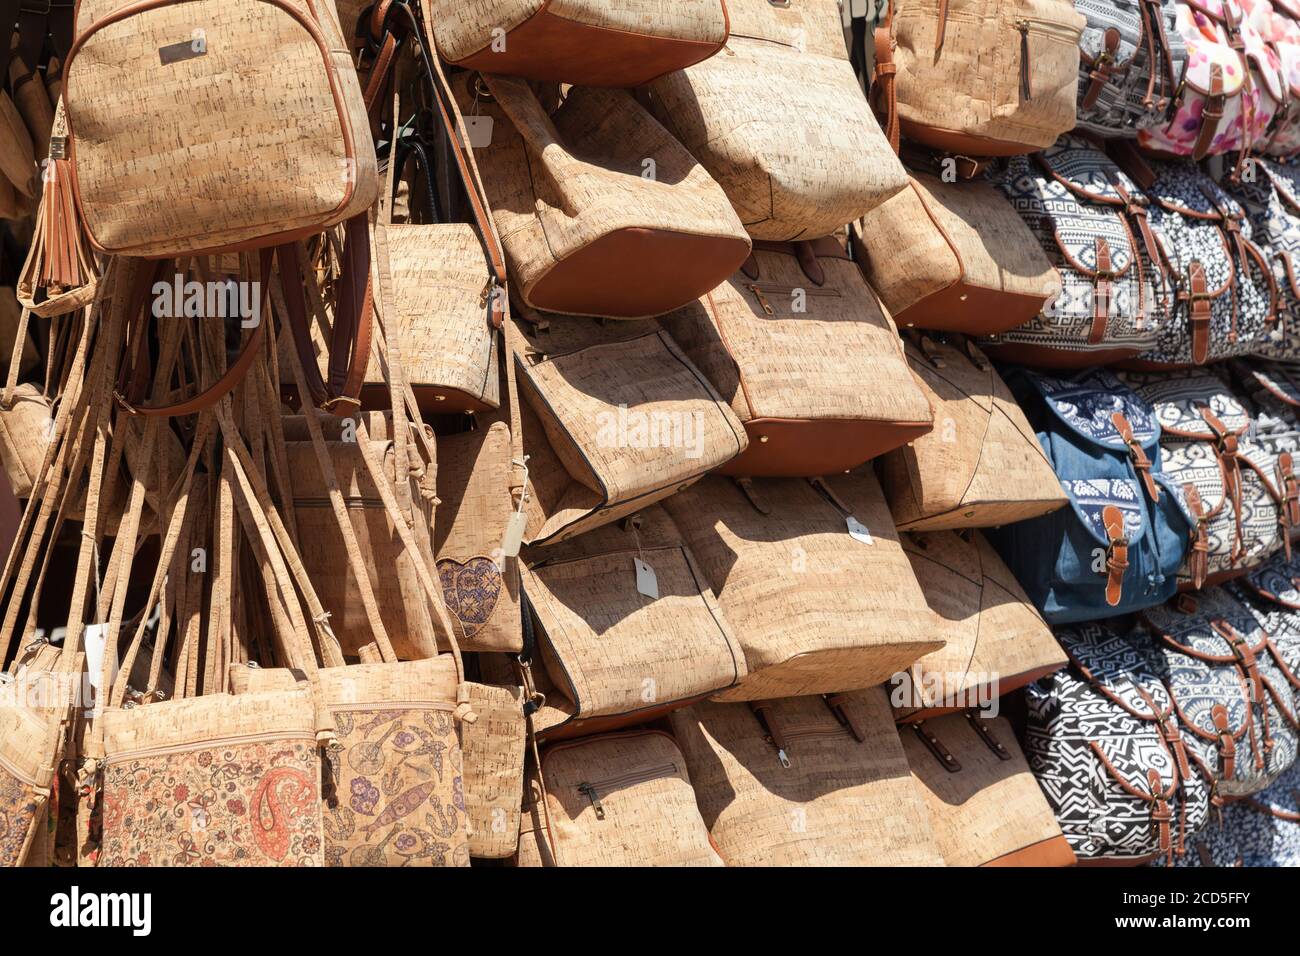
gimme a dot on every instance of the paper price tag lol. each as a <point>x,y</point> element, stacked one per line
<point>480,131</point>
<point>94,643</point>
<point>646,580</point>
<point>514,534</point>
<point>859,532</point>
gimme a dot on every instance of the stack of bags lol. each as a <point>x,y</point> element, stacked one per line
<point>604,436</point>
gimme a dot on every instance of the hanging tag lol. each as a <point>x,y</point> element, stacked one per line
<point>479,129</point>
<point>858,531</point>
<point>93,642</point>
<point>646,580</point>
<point>514,534</point>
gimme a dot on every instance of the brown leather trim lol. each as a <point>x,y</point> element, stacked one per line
<point>883,94</point>
<point>585,727</point>
<point>1199,312</point>
<point>972,310</point>
<point>1111,861</point>
<point>1102,68</point>
<point>958,142</point>
<point>1198,557</point>
<point>551,47</point>
<point>1116,554</point>
<point>637,273</point>
<point>1218,577</point>
<point>349,147</point>
<point>1050,358</point>
<point>808,448</point>
<point>1100,293</point>
<point>1006,685</point>
<point>1054,851</point>
<point>1211,115</point>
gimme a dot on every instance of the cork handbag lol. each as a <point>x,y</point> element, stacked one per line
<point>798,158</point>
<point>1132,59</point>
<point>583,42</point>
<point>493,749</point>
<point>986,808</point>
<point>788,341</point>
<point>805,781</point>
<point>982,465</point>
<point>1103,739</point>
<point>1246,498</point>
<point>272,180</point>
<point>614,800</point>
<point>978,78</point>
<point>601,212</point>
<point>954,257</point>
<point>619,651</point>
<point>995,642</point>
<point>1092,222</point>
<point>1233,696</point>
<point>786,558</point>
<point>613,418</point>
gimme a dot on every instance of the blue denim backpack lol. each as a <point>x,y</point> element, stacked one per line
<point>1118,548</point>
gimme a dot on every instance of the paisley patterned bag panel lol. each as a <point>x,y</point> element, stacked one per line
<point>1130,62</point>
<point>1106,751</point>
<point>1118,547</point>
<point>1226,300</point>
<point>1232,697</point>
<point>1100,315</point>
<point>1249,85</point>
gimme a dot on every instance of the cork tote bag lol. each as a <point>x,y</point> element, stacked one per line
<point>995,642</point>
<point>789,341</point>
<point>779,119</point>
<point>394,790</point>
<point>982,464</point>
<point>176,175</point>
<point>600,210</point>
<point>805,781</point>
<point>787,558</point>
<point>979,77</point>
<point>615,800</point>
<point>615,654</point>
<point>613,418</point>
<point>954,257</point>
<point>583,42</point>
<point>493,750</point>
<point>403,611</point>
<point>985,806</point>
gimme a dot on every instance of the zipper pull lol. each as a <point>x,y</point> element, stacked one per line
<point>762,299</point>
<point>1023,27</point>
<point>588,791</point>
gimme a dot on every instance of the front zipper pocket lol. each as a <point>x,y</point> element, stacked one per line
<point>594,790</point>
<point>762,292</point>
<point>1048,51</point>
<point>267,736</point>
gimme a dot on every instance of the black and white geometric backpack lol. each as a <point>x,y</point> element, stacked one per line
<point>1270,194</point>
<point>1263,830</point>
<point>1271,592</point>
<point>1226,302</point>
<point>1131,61</point>
<point>1105,744</point>
<point>1232,695</point>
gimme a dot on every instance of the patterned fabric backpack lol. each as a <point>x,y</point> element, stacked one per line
<point>1278,23</point>
<point>1231,89</point>
<point>1119,545</point>
<point>1263,830</point>
<point>1226,299</point>
<point>1103,739</point>
<point>1271,200</point>
<point>1090,219</point>
<point>1232,695</point>
<point>1271,593</point>
<point>1237,489</point>
<point>1131,58</point>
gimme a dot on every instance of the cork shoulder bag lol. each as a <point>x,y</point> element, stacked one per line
<point>986,808</point>
<point>779,119</point>
<point>615,800</point>
<point>954,256</point>
<point>583,42</point>
<point>789,341</point>
<point>159,168</point>
<point>600,210</point>
<point>806,781</point>
<point>982,465</point>
<point>619,651</point>
<point>613,418</point>
<point>995,642</point>
<point>786,558</point>
<point>980,77</point>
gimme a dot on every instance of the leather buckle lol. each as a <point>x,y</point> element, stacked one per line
<point>1120,542</point>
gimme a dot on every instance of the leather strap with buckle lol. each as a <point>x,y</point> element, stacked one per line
<point>1210,115</point>
<point>1197,295</point>
<point>1116,553</point>
<point>1101,292</point>
<point>1138,455</point>
<point>1198,560</point>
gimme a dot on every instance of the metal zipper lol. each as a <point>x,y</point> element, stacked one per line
<point>267,736</point>
<point>592,791</point>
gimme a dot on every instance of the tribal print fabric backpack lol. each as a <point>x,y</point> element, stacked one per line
<point>1119,545</point>
<point>1103,739</point>
<point>1131,60</point>
<point>1271,200</point>
<point>1263,830</point>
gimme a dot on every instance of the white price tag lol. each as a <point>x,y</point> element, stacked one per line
<point>514,534</point>
<point>93,642</point>
<point>646,580</point>
<point>859,532</point>
<point>480,131</point>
